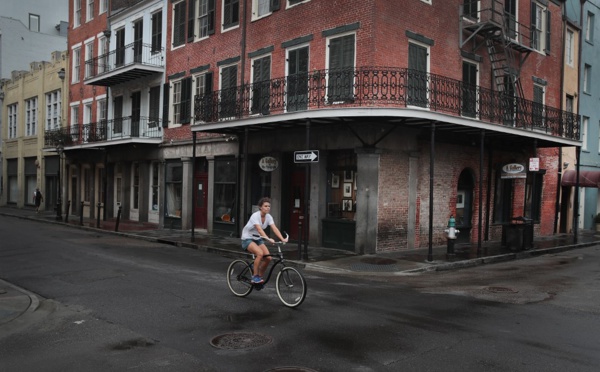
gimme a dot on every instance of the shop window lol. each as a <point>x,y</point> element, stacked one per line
<point>225,190</point>
<point>30,179</point>
<point>342,176</point>
<point>174,183</point>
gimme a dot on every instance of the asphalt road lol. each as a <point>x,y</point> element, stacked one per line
<point>114,304</point>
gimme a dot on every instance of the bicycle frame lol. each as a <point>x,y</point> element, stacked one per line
<point>278,261</point>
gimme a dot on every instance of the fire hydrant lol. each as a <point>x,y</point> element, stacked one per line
<point>451,232</point>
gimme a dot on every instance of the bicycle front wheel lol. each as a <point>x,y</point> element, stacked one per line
<point>239,278</point>
<point>291,287</point>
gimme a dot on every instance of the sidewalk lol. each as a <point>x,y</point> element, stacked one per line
<point>15,301</point>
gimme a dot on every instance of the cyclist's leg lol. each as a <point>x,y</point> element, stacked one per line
<point>259,252</point>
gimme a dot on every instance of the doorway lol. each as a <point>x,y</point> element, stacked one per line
<point>200,209</point>
<point>295,203</point>
<point>464,206</point>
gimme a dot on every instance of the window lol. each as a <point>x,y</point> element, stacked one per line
<point>538,105</point>
<point>34,22</point>
<point>231,13</point>
<point>103,6</point>
<point>156,32</point>
<point>89,59</point>
<point>90,10</point>
<point>261,84</point>
<point>469,89</point>
<point>77,13</point>
<point>53,110</point>
<point>203,89</point>
<point>589,28</point>
<point>584,133</point>
<point>135,186</point>
<point>540,27</point>
<point>76,65</point>
<point>569,103</point>
<point>418,66</point>
<point>13,177</point>
<point>294,2</point>
<point>340,79</point>
<point>228,99</point>
<point>206,18</point>
<point>31,107</point>
<point>87,119</point>
<point>224,190</point>
<point>117,128</point>
<point>569,43</point>
<point>120,47</point>
<point>182,101</point>
<point>470,8</point>
<point>173,183</point>
<point>587,78</point>
<point>101,119</point>
<point>179,23</point>
<point>30,179</point>
<point>154,110</point>
<point>297,79</point>
<point>102,54</point>
<point>75,123</point>
<point>12,120</point>
<point>261,8</point>
<point>154,187</point>
<point>138,37</point>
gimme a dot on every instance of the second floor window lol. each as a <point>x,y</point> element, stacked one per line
<point>340,84</point>
<point>53,110</point>
<point>182,92</point>
<point>31,107</point>
<point>89,59</point>
<point>76,65</point>
<point>231,13</point>
<point>12,120</point>
<point>156,32</point>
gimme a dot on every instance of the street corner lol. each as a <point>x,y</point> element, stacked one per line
<point>14,302</point>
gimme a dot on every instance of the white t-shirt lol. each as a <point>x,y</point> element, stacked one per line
<point>250,229</point>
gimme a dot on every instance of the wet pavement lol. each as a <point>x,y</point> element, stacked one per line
<point>15,301</point>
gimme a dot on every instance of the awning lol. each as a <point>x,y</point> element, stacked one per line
<point>586,178</point>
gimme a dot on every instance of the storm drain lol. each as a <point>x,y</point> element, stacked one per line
<point>501,290</point>
<point>241,340</point>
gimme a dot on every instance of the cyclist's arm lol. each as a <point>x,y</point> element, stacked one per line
<point>262,233</point>
<point>278,233</point>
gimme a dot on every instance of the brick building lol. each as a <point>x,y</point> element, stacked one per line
<point>415,107</point>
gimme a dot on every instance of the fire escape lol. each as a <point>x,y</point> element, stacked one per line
<point>493,23</point>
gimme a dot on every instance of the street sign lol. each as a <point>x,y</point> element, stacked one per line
<point>534,164</point>
<point>308,156</point>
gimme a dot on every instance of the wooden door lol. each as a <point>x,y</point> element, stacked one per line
<point>296,203</point>
<point>200,209</point>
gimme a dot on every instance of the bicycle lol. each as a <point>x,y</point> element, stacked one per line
<point>290,284</point>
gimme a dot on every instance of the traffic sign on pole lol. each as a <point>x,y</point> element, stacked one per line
<point>308,156</point>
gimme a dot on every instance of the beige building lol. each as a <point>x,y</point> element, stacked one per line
<point>33,104</point>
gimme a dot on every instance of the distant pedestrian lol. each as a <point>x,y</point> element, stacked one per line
<point>38,198</point>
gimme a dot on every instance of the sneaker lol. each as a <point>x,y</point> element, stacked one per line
<point>257,280</point>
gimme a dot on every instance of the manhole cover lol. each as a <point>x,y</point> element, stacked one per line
<point>501,290</point>
<point>241,340</point>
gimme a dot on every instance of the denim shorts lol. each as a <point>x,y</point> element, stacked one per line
<point>246,242</point>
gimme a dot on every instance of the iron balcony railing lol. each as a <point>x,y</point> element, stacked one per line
<point>131,54</point>
<point>382,87</point>
<point>105,130</point>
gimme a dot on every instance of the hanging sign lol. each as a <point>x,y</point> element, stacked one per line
<point>534,164</point>
<point>513,170</point>
<point>268,163</point>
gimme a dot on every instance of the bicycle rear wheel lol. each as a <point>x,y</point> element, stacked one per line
<point>291,287</point>
<point>239,278</point>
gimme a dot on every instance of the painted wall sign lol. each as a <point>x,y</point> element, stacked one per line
<point>268,163</point>
<point>513,170</point>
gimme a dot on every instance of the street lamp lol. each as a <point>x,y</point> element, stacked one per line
<point>61,74</point>
<point>59,150</point>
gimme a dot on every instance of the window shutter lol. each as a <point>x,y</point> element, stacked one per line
<point>533,38</point>
<point>335,55</point>
<point>211,17</point>
<point>274,5</point>
<point>348,51</point>
<point>186,101</point>
<point>165,121</point>
<point>548,29</point>
<point>208,82</point>
<point>191,20</point>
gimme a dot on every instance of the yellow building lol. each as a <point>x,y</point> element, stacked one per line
<point>34,102</point>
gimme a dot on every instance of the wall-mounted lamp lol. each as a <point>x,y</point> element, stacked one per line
<point>61,74</point>
<point>565,165</point>
<point>107,33</point>
<point>1,95</point>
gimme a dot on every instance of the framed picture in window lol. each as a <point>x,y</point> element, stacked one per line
<point>460,199</point>
<point>347,189</point>
<point>348,176</point>
<point>335,181</point>
<point>347,205</point>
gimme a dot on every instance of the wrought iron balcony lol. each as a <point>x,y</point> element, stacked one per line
<point>386,88</point>
<point>105,131</point>
<point>124,64</point>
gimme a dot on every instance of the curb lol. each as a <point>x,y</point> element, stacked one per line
<point>34,301</point>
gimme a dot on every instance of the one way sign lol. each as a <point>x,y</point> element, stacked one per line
<point>308,156</point>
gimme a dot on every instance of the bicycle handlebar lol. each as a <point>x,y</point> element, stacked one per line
<point>279,242</point>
